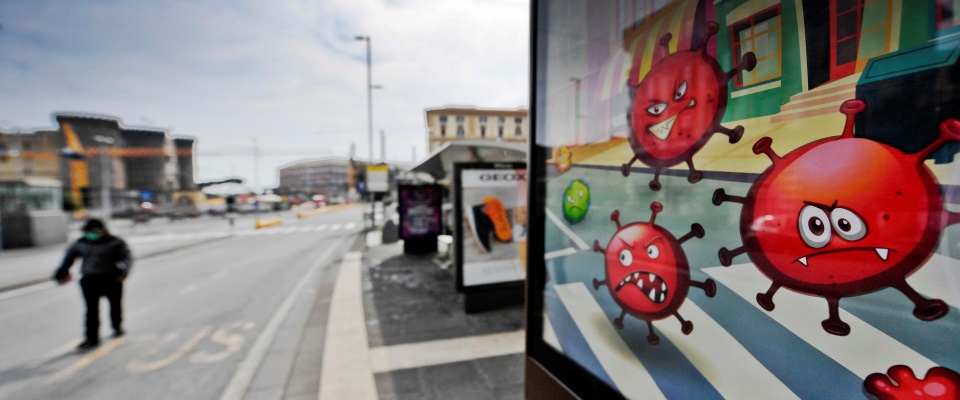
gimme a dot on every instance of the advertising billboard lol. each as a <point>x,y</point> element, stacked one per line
<point>420,211</point>
<point>491,224</point>
<point>745,198</point>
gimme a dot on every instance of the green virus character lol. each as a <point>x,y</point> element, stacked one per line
<point>576,201</point>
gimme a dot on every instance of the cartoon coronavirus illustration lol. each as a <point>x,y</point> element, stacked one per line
<point>901,384</point>
<point>678,106</point>
<point>576,201</point>
<point>647,272</point>
<point>564,159</point>
<point>843,216</point>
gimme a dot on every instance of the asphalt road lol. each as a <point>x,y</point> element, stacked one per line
<point>192,316</point>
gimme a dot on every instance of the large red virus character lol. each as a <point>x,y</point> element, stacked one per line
<point>678,106</point>
<point>939,384</point>
<point>647,272</point>
<point>843,216</point>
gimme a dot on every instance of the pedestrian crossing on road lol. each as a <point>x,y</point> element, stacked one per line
<point>280,230</point>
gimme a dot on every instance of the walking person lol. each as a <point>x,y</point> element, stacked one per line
<point>105,264</point>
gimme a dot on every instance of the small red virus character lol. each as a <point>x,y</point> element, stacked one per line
<point>678,106</point>
<point>843,216</point>
<point>647,272</point>
<point>902,384</point>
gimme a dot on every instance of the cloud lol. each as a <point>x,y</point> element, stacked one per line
<point>289,73</point>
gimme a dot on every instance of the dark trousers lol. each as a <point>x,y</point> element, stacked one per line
<point>95,287</point>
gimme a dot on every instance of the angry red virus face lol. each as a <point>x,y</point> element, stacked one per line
<point>843,216</point>
<point>647,272</point>
<point>678,106</point>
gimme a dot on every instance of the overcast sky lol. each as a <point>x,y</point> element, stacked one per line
<point>289,73</point>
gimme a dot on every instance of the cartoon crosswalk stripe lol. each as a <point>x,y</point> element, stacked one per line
<point>560,253</point>
<point>710,347</point>
<point>801,314</point>
<point>566,231</point>
<point>939,279</point>
<point>618,361</point>
<point>550,335</point>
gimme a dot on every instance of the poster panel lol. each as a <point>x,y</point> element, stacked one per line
<point>745,198</point>
<point>491,223</point>
<point>420,211</point>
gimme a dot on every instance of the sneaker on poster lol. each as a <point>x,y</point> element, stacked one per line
<point>479,226</point>
<point>498,216</point>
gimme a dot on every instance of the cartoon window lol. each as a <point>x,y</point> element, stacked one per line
<point>946,17</point>
<point>859,30</point>
<point>761,34</point>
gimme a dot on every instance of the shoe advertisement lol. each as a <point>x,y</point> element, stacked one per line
<point>491,213</point>
<point>744,199</point>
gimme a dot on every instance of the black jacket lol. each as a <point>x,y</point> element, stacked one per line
<point>107,256</point>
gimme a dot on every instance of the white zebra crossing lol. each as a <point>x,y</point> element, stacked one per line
<point>280,230</point>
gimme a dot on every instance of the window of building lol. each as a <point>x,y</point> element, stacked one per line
<point>500,131</point>
<point>443,131</point>
<point>483,131</point>
<point>760,33</point>
<point>483,120</point>
<point>518,132</point>
<point>460,132</point>
<point>443,119</point>
<point>501,120</point>
<point>946,15</point>
<point>517,120</point>
<point>460,120</point>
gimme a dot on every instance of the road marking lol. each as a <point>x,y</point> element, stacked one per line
<point>350,226</point>
<point>88,359</point>
<point>346,371</point>
<point>27,290</point>
<point>566,231</point>
<point>303,229</point>
<point>436,352</point>
<point>320,228</point>
<point>560,253</point>
<point>801,314</point>
<point>240,382</point>
<point>232,342</point>
<point>623,367</point>
<point>335,227</point>
<point>710,348</point>
<point>137,366</point>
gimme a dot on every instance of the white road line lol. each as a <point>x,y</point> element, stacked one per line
<point>350,226</point>
<point>303,229</point>
<point>335,227</point>
<point>566,231</point>
<point>436,352</point>
<point>346,371</point>
<point>801,314</point>
<point>240,382</point>
<point>709,347</point>
<point>320,228</point>
<point>560,253</point>
<point>623,367</point>
<point>550,335</point>
<point>27,290</point>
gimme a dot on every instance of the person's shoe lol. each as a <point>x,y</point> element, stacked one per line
<point>88,344</point>
<point>119,333</point>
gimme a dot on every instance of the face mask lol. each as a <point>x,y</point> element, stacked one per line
<point>92,236</point>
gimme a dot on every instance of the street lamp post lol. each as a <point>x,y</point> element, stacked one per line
<point>369,96</point>
<point>104,174</point>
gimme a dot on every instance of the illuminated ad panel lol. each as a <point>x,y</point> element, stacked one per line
<point>745,198</point>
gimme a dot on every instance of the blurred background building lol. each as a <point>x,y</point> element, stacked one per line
<point>471,123</point>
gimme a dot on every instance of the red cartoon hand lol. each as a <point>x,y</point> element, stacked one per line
<point>940,383</point>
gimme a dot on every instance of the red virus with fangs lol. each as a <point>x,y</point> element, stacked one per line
<point>647,272</point>
<point>843,216</point>
<point>678,106</point>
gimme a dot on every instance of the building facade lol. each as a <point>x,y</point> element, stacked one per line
<point>325,176</point>
<point>471,123</point>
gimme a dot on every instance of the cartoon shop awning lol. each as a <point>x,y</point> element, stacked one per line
<point>640,49</point>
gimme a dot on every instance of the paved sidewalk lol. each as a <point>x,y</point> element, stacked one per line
<point>419,343</point>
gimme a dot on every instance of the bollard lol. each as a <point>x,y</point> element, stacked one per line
<point>266,223</point>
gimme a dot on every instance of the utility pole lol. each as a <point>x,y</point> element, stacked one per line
<point>383,146</point>
<point>413,150</point>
